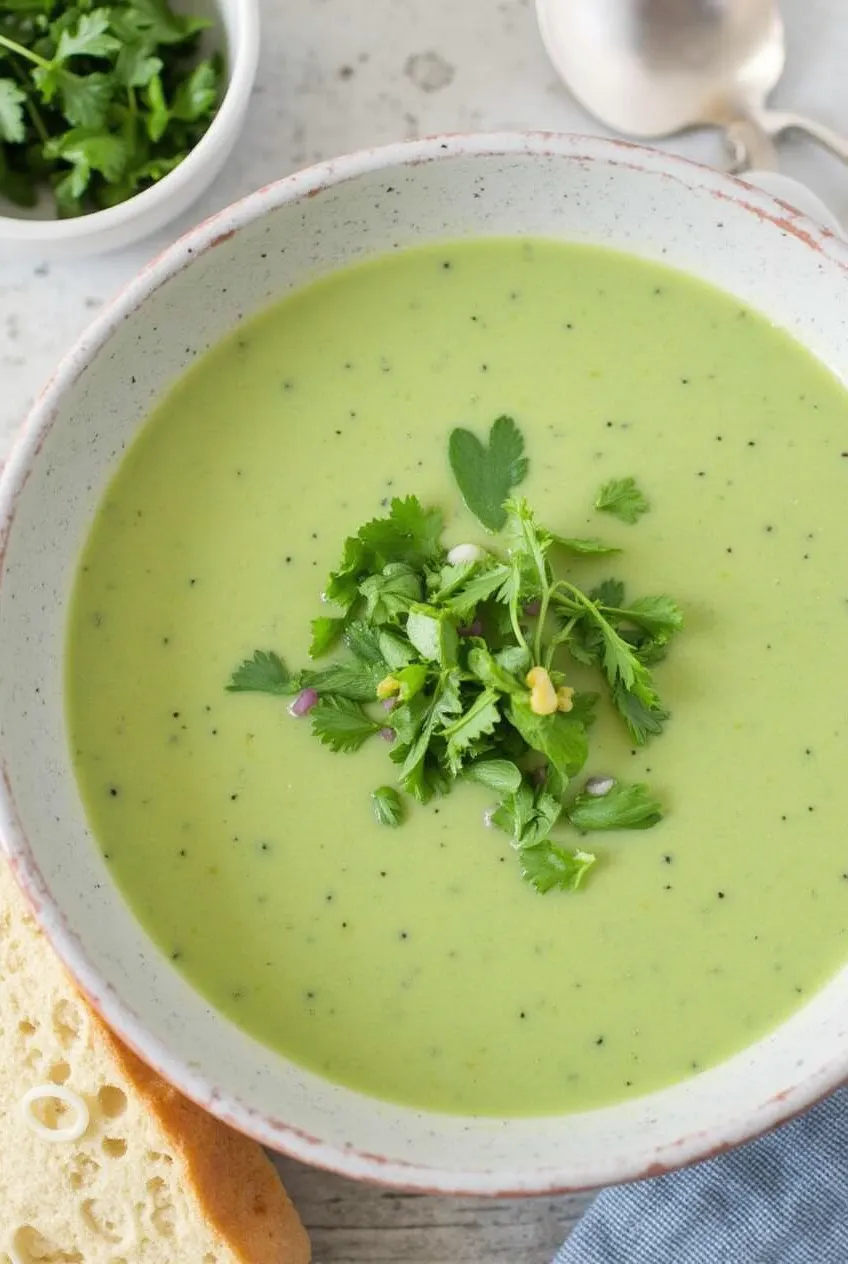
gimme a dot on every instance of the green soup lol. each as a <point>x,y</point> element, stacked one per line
<point>413,963</point>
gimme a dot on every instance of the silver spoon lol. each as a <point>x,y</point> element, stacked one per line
<point>649,68</point>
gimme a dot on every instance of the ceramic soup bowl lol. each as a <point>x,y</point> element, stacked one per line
<point>572,188</point>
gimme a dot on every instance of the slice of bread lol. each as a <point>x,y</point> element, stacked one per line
<point>152,1179</point>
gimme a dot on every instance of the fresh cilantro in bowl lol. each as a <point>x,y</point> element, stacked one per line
<point>97,104</point>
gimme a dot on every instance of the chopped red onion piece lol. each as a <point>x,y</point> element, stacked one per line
<point>532,608</point>
<point>473,629</point>
<point>387,734</point>
<point>389,704</point>
<point>303,703</point>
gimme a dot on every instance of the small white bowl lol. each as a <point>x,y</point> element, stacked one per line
<point>130,221</point>
<point>577,189</point>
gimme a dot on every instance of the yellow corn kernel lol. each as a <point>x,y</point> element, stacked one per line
<point>565,698</point>
<point>543,696</point>
<point>388,687</point>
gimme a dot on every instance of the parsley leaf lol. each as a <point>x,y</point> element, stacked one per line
<point>264,673</point>
<point>527,816</point>
<point>12,100</point>
<point>559,737</point>
<point>550,868</point>
<point>624,807</point>
<point>481,717</point>
<point>356,680</point>
<point>341,724</point>
<point>589,547</point>
<point>391,592</point>
<point>500,775</point>
<point>409,535</point>
<point>326,632</point>
<point>486,475</point>
<point>476,589</point>
<point>622,498</point>
<point>388,809</point>
<point>433,635</point>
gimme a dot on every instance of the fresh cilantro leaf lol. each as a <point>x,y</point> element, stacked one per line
<point>264,673</point>
<point>622,498</point>
<point>477,588</point>
<point>84,100</point>
<point>165,26</point>
<point>643,719</point>
<point>547,867</point>
<point>444,704</point>
<point>388,809</point>
<point>609,593</point>
<point>158,115</point>
<point>560,737</point>
<point>353,680</point>
<point>197,95</point>
<point>136,64</point>
<point>412,680</point>
<point>486,475</point>
<point>492,673</point>
<point>12,126</point>
<point>514,659</point>
<point>90,38</point>
<point>624,807</point>
<point>341,724</point>
<point>583,707</point>
<point>408,534</point>
<point>590,547</point>
<point>88,151</point>
<point>363,642</point>
<point>433,635</point>
<point>326,633</point>
<point>481,717</point>
<point>500,775</point>
<point>391,592</point>
<point>660,616</point>
<point>394,648</point>
<point>527,816</point>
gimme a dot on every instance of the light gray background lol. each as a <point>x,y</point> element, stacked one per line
<point>338,75</point>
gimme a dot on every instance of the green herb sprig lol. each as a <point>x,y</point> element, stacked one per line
<point>98,103</point>
<point>469,648</point>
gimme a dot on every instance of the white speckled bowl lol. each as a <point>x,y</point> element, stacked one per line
<point>578,189</point>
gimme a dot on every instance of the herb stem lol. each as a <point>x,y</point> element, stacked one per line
<point>14,47</point>
<point>513,618</point>
<point>560,639</point>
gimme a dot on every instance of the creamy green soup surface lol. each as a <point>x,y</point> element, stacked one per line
<point>413,963</point>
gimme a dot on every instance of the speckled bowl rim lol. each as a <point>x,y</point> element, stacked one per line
<point>730,1129</point>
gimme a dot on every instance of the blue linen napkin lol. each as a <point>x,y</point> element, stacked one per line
<point>782,1199</point>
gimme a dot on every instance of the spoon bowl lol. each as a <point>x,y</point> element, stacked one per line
<point>650,68</point>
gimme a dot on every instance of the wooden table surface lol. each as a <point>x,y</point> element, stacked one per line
<point>350,1223</point>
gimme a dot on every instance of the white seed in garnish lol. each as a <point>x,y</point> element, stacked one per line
<point>465,554</point>
<point>71,1131</point>
<point>599,786</point>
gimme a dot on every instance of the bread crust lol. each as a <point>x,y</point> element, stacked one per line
<point>229,1175</point>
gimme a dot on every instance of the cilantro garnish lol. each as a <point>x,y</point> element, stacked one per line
<point>622,498</point>
<point>98,103</point>
<point>460,663</point>
<point>388,809</point>
<point>487,475</point>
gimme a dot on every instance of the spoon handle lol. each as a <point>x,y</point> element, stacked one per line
<point>775,122</point>
<point>750,144</point>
